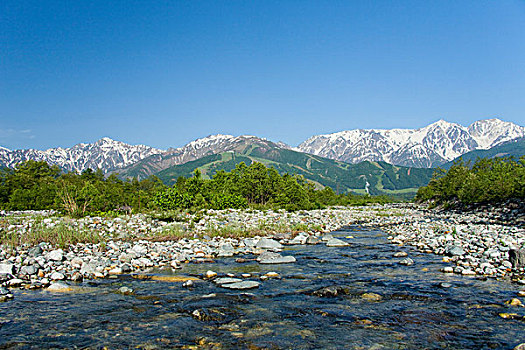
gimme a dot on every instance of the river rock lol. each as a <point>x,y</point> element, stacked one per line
<point>300,239</point>
<point>59,287</point>
<point>226,280</point>
<point>454,251</point>
<point>407,262</point>
<point>125,290</point>
<point>57,276</point>
<point>225,250</point>
<point>371,297</point>
<point>28,270</point>
<point>211,274</point>
<point>241,285</point>
<point>312,240</point>
<point>56,255</point>
<point>15,282</point>
<point>77,277</point>
<point>8,269</point>
<point>4,291</point>
<point>268,243</point>
<point>35,251</point>
<point>275,258</point>
<point>520,347</point>
<point>400,254</point>
<point>335,242</point>
<point>517,257</point>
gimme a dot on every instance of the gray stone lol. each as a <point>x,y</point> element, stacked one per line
<point>225,250</point>
<point>275,258</point>
<point>298,240</point>
<point>241,285</point>
<point>400,254</point>
<point>517,257</point>
<point>59,287</point>
<point>88,268</point>
<point>312,240</point>
<point>125,290</point>
<point>28,270</point>
<point>35,251</point>
<point>335,242</point>
<point>7,269</point>
<point>225,280</point>
<point>4,291</point>
<point>57,276</point>
<point>454,251</point>
<point>56,255</point>
<point>15,282</point>
<point>407,262</point>
<point>268,243</point>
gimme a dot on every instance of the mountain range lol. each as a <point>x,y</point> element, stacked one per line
<point>105,154</point>
<point>380,161</point>
<point>426,147</point>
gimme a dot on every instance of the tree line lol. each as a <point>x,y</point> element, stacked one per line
<point>36,185</point>
<point>488,180</point>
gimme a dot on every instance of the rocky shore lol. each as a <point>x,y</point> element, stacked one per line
<point>474,243</point>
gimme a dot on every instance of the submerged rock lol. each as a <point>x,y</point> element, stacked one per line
<point>275,258</point>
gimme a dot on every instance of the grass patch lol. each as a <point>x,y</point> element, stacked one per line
<point>168,233</point>
<point>60,235</point>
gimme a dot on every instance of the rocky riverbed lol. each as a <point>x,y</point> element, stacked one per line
<point>473,243</point>
<point>279,280</point>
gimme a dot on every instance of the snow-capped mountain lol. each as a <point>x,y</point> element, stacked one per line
<point>105,154</point>
<point>213,144</point>
<point>426,147</point>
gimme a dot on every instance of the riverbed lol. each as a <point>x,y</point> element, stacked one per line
<point>352,297</point>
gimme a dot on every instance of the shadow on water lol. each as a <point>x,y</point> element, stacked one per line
<point>355,297</point>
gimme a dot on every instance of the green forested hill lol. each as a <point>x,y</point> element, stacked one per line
<point>382,178</point>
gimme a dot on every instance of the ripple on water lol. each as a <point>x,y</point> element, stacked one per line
<point>406,307</point>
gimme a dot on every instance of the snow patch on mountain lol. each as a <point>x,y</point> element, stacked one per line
<point>105,154</point>
<point>430,146</point>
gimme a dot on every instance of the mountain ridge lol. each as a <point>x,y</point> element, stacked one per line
<point>428,146</point>
<point>106,154</point>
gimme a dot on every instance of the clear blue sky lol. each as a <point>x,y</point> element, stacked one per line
<point>164,73</point>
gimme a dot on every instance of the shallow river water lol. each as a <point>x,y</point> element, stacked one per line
<point>415,311</point>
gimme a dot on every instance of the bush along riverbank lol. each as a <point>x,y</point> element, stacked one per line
<point>41,250</point>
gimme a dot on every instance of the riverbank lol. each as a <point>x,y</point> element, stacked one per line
<point>472,243</point>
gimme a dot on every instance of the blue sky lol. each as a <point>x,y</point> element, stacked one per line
<point>164,73</point>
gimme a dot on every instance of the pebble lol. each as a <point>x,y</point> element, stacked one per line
<point>371,297</point>
<point>210,274</point>
<point>400,254</point>
<point>125,290</point>
<point>407,262</point>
